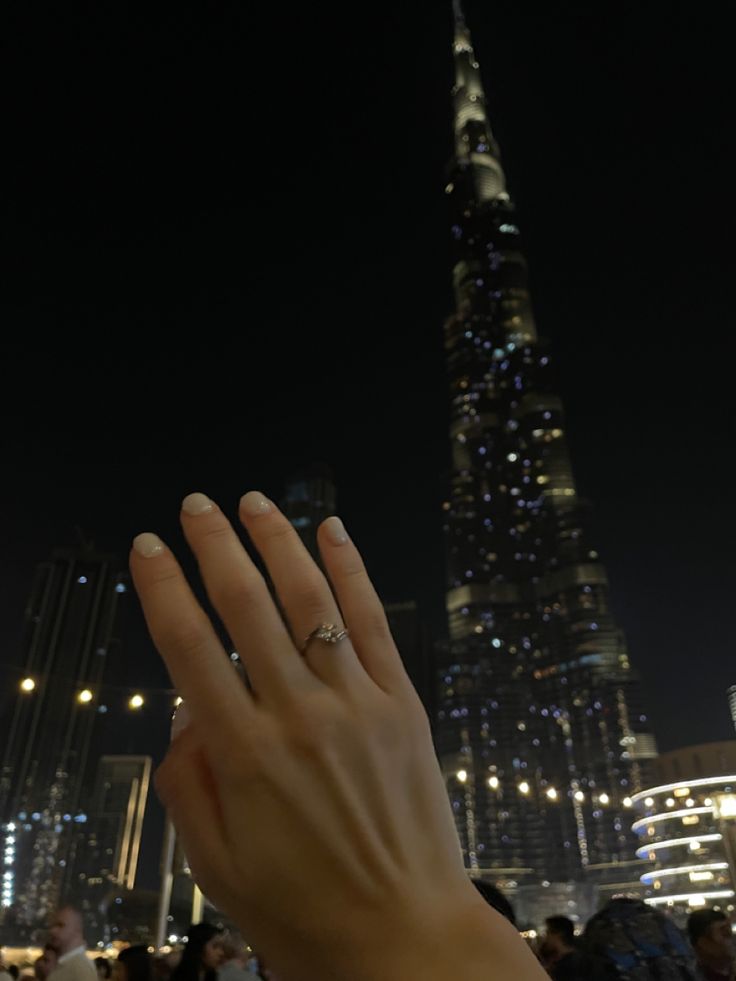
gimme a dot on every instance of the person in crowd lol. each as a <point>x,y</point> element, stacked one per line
<point>559,952</point>
<point>202,955</point>
<point>309,802</point>
<point>235,956</point>
<point>134,964</point>
<point>104,968</point>
<point>14,971</point>
<point>66,937</point>
<point>712,939</point>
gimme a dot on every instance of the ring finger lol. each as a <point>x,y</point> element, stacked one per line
<point>304,592</point>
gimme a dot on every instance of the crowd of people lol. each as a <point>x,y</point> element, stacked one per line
<point>648,948</point>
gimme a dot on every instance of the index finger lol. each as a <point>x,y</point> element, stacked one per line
<point>185,637</point>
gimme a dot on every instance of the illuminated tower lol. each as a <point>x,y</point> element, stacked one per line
<point>540,731</point>
<point>69,632</point>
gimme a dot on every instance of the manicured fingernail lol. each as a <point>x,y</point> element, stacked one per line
<point>197,504</point>
<point>148,545</point>
<point>254,503</point>
<point>181,720</point>
<point>335,531</point>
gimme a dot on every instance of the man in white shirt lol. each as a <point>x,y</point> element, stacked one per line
<point>66,936</point>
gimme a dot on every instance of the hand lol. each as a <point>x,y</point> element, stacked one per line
<point>311,808</point>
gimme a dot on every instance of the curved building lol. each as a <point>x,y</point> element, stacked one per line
<point>687,832</point>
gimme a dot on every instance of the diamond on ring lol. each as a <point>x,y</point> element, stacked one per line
<point>330,633</point>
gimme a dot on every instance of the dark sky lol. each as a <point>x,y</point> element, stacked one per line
<point>227,255</point>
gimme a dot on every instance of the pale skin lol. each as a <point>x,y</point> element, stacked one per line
<point>312,810</point>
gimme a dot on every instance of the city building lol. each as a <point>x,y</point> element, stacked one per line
<point>70,629</point>
<point>309,498</point>
<point>540,729</point>
<point>105,862</point>
<point>686,828</point>
<point>732,703</point>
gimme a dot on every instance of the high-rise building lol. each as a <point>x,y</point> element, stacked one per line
<point>540,729</point>
<point>69,630</point>
<point>732,703</point>
<point>106,855</point>
<point>309,499</point>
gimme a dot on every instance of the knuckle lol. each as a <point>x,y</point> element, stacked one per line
<point>243,593</point>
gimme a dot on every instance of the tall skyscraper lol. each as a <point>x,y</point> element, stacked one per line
<point>540,730</point>
<point>309,498</point>
<point>106,859</point>
<point>69,631</point>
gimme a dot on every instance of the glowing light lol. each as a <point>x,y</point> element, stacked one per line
<point>604,798</point>
<point>649,802</point>
<point>462,775</point>
<point>579,795</point>
<point>28,684</point>
<point>628,802</point>
<point>135,702</point>
<point>85,696</point>
<point>524,787</point>
<point>178,700</point>
<point>692,898</point>
<point>686,815</point>
<point>552,793</point>
<point>693,842</point>
<point>683,870</point>
<point>684,786</point>
<point>726,805</point>
<point>493,783</point>
<point>670,802</point>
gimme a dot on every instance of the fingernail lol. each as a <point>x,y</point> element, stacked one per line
<point>197,504</point>
<point>180,720</point>
<point>254,503</point>
<point>148,545</point>
<point>335,531</point>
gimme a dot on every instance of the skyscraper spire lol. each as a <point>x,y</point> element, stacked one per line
<point>475,147</point>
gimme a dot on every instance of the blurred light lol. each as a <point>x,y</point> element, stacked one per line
<point>689,802</point>
<point>462,775</point>
<point>628,802</point>
<point>493,783</point>
<point>524,787</point>
<point>649,802</point>
<point>135,702</point>
<point>28,684</point>
<point>726,805</point>
<point>579,795</point>
<point>670,802</point>
<point>173,938</point>
<point>85,696</point>
<point>552,793</point>
<point>178,700</point>
<point>604,798</point>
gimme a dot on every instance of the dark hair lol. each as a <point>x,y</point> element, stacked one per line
<point>563,927</point>
<point>138,963</point>
<point>699,922</point>
<point>188,968</point>
<point>495,898</point>
<point>14,971</point>
<point>104,964</point>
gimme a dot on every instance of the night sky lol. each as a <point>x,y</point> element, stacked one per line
<point>228,256</point>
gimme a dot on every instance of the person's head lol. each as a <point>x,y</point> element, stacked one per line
<point>495,898</point>
<point>711,936</point>
<point>234,948</point>
<point>203,951</point>
<point>104,969</point>
<point>559,937</point>
<point>67,930</point>
<point>14,971</point>
<point>134,964</point>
